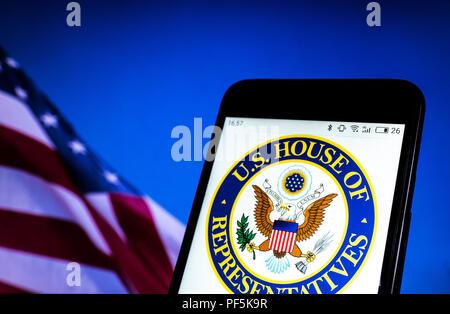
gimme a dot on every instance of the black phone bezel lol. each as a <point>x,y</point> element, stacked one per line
<point>346,100</point>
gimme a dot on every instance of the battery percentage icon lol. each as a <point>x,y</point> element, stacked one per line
<point>384,130</point>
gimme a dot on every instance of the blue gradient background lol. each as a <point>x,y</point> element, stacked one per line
<point>136,69</point>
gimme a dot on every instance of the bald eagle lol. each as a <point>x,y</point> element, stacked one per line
<point>314,215</point>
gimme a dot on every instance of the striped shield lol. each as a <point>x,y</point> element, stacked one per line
<point>283,236</point>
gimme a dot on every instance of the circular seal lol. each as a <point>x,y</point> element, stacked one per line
<point>296,214</point>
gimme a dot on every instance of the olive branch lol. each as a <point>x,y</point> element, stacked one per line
<point>244,235</point>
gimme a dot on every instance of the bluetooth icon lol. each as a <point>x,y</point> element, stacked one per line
<point>330,127</point>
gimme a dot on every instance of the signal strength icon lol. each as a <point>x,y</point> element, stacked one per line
<point>354,128</point>
<point>365,129</point>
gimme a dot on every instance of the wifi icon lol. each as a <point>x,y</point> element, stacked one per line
<point>354,128</point>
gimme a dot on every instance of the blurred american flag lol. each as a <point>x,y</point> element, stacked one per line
<point>61,203</point>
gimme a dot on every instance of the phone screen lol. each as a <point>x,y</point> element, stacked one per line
<point>295,206</point>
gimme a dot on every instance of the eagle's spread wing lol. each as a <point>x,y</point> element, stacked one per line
<point>314,217</point>
<point>263,209</point>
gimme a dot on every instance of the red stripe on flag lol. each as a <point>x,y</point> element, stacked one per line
<point>20,151</point>
<point>277,240</point>
<point>288,242</point>
<point>274,237</point>
<point>49,236</point>
<point>137,222</point>
<point>294,235</point>
<point>288,248</point>
<point>285,240</point>
<point>133,271</point>
<point>271,239</point>
<point>9,289</point>
<point>283,243</point>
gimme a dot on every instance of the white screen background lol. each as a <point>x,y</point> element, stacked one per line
<point>378,153</point>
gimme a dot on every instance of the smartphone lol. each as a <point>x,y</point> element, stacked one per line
<point>307,189</point>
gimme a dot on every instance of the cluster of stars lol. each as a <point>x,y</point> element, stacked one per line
<point>294,182</point>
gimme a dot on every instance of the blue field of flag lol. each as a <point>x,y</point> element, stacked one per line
<point>284,225</point>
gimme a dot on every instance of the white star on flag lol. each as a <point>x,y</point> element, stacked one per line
<point>111,177</point>
<point>21,92</point>
<point>12,63</point>
<point>49,120</point>
<point>77,147</point>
